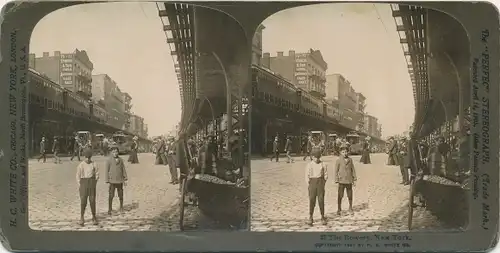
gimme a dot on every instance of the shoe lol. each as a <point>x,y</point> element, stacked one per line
<point>310,222</point>
<point>94,221</point>
<point>339,212</point>
<point>351,211</point>
<point>81,222</point>
<point>323,221</point>
<point>109,212</point>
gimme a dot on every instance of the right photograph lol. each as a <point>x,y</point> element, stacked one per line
<point>360,120</point>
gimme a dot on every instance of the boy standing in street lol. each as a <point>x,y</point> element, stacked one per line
<point>116,176</point>
<point>316,176</point>
<point>345,177</point>
<point>87,175</point>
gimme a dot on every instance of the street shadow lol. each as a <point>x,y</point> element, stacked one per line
<point>330,216</point>
<point>194,220</point>
<point>422,221</point>
<point>355,209</point>
<point>126,208</point>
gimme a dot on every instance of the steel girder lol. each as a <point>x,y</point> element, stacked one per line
<point>411,24</point>
<point>178,25</point>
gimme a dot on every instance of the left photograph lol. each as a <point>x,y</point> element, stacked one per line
<point>134,125</point>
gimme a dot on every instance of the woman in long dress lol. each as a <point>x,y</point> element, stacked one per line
<point>133,152</point>
<point>365,156</point>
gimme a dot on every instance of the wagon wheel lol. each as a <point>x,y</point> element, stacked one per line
<point>411,202</point>
<point>182,203</point>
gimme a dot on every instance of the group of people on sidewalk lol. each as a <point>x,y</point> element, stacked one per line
<point>165,150</point>
<point>316,175</point>
<point>435,158</point>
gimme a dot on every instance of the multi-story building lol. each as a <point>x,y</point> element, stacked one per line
<point>127,99</point>
<point>257,46</point>
<point>351,104</point>
<point>305,70</point>
<point>137,126</point>
<point>72,71</point>
<point>106,90</point>
<point>371,126</point>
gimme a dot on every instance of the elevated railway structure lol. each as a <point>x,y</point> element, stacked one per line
<point>437,50</point>
<point>216,84</point>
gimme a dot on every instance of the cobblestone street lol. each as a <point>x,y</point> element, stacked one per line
<point>280,199</point>
<point>151,203</point>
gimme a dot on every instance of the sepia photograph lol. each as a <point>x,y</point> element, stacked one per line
<point>134,125</point>
<point>360,120</point>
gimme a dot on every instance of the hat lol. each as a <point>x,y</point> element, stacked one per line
<point>115,148</point>
<point>368,138</point>
<point>135,138</point>
<point>87,153</point>
<point>316,153</point>
<point>344,147</point>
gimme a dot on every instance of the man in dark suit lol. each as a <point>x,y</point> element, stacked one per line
<point>276,151</point>
<point>393,152</point>
<point>77,146</point>
<point>171,151</point>
<point>308,148</point>
<point>42,151</point>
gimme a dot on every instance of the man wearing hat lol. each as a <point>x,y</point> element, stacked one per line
<point>276,150</point>
<point>316,176</point>
<point>171,150</point>
<point>393,152</point>
<point>309,145</point>
<point>55,150</point>
<point>42,150</point>
<point>76,149</point>
<point>404,163</point>
<point>288,149</point>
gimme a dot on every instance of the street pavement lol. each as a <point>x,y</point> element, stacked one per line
<point>279,199</point>
<point>150,202</point>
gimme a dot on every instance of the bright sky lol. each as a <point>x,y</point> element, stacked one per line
<point>125,41</point>
<point>355,42</point>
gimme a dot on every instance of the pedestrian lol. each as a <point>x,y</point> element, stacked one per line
<point>276,149</point>
<point>170,157</point>
<point>55,150</point>
<point>438,157</point>
<point>87,175</point>
<point>76,149</point>
<point>288,149</point>
<point>404,164</point>
<point>133,157</point>
<point>316,176</point>
<point>365,156</point>
<point>308,148</point>
<point>43,155</point>
<point>392,152</point>
<point>116,178</point>
<point>345,177</point>
<point>105,146</point>
<point>161,151</point>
